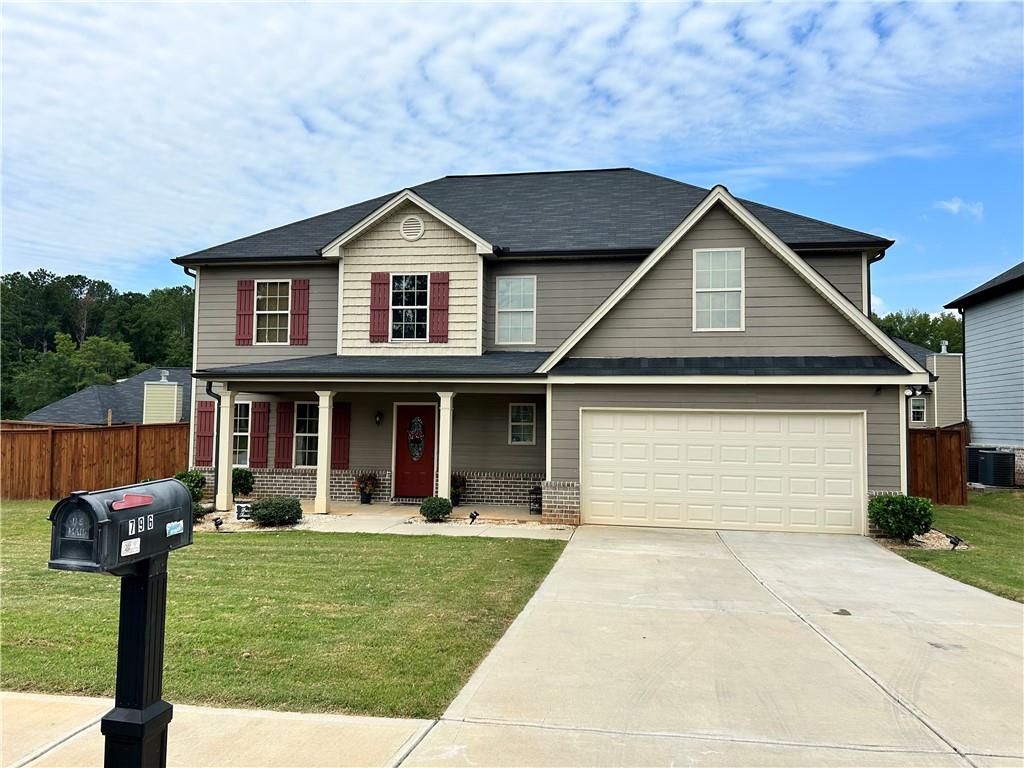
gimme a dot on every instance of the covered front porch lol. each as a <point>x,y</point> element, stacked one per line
<point>314,440</point>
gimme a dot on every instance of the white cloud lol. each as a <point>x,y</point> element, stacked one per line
<point>954,205</point>
<point>878,305</point>
<point>133,132</point>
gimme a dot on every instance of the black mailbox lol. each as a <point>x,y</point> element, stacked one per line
<point>109,531</point>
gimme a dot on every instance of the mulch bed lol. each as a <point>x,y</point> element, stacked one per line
<point>934,539</point>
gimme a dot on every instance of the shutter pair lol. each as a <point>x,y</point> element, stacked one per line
<point>259,431</point>
<point>298,308</point>
<point>380,304</point>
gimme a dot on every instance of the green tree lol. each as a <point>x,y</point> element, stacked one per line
<point>923,328</point>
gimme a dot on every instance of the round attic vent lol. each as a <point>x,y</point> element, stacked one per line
<point>411,227</point>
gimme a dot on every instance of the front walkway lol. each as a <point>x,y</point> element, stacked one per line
<point>43,730</point>
<point>685,647</point>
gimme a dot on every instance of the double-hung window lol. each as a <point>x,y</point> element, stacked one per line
<point>240,436</point>
<point>918,410</point>
<point>522,424</point>
<point>517,309</point>
<point>409,306</point>
<point>272,297</point>
<point>307,417</point>
<point>718,289</point>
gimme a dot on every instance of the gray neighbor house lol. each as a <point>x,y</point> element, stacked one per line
<point>647,352</point>
<point>993,315</point>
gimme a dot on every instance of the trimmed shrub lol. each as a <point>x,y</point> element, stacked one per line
<point>277,510</point>
<point>435,509</point>
<point>241,481</point>
<point>198,512</point>
<point>900,517</point>
<point>195,481</point>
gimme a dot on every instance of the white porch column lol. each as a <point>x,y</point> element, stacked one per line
<point>444,445</point>
<point>225,454</point>
<point>322,503</point>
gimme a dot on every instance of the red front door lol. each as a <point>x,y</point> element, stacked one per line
<point>415,427</point>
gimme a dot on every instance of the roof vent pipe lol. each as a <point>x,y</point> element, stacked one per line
<point>945,347</point>
<point>165,374</point>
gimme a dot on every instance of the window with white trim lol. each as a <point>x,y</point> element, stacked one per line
<point>918,410</point>
<point>272,311</point>
<point>522,424</point>
<point>718,289</point>
<point>240,435</point>
<point>409,305</point>
<point>517,309</point>
<point>307,422</point>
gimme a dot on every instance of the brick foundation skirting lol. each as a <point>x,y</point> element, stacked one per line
<point>507,488</point>
<point>561,502</point>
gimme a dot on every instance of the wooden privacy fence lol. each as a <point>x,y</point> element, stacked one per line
<point>50,463</point>
<point>938,464</point>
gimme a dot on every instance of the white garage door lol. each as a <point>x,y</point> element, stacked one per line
<point>766,471</point>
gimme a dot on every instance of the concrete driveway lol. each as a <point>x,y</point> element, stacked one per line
<point>658,647</point>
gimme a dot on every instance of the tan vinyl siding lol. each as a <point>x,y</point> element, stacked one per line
<point>480,435</point>
<point>383,249</point>
<point>161,402</point>
<point>947,399</point>
<point>215,335</point>
<point>784,315</point>
<point>567,293</point>
<point>881,404</point>
<point>844,271</point>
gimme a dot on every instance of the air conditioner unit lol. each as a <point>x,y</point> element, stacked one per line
<point>972,464</point>
<point>995,468</point>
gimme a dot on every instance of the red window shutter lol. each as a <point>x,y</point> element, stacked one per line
<point>259,429</point>
<point>438,321</point>
<point>244,298</point>
<point>204,433</point>
<point>284,435</point>
<point>341,429</point>
<point>380,286</point>
<point>300,313</point>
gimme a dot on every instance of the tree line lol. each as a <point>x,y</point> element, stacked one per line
<point>60,334</point>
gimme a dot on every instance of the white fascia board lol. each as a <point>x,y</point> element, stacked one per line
<point>318,380</point>
<point>334,249</point>
<point>895,380</point>
<point>720,194</point>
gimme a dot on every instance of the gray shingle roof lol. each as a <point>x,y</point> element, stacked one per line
<point>916,351</point>
<point>728,366</point>
<point>1010,280</point>
<point>125,399</point>
<point>618,209</point>
<point>357,366</point>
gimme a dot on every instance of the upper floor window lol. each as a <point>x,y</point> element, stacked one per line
<point>517,309</point>
<point>307,416</point>
<point>272,315</point>
<point>240,436</point>
<point>718,289</point>
<point>918,410</point>
<point>409,307</point>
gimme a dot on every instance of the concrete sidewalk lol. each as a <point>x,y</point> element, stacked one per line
<point>39,730</point>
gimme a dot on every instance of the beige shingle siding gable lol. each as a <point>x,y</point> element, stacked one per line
<point>162,402</point>
<point>784,315</point>
<point>947,399</point>
<point>383,249</point>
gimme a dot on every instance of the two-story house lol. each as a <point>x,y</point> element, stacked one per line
<point>646,351</point>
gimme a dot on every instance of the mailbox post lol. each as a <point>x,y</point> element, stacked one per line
<point>127,532</point>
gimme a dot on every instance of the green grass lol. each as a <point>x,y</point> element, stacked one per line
<point>360,623</point>
<point>993,525</point>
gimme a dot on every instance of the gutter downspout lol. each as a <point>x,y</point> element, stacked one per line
<point>216,432</point>
<point>963,362</point>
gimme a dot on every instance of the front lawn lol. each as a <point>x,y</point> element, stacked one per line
<point>293,620</point>
<point>993,525</point>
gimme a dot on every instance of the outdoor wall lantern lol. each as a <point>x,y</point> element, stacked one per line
<point>378,418</point>
<point>913,391</point>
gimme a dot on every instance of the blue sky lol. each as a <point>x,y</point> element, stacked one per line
<point>136,132</point>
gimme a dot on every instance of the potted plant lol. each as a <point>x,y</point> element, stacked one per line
<point>458,488</point>
<point>242,482</point>
<point>366,484</point>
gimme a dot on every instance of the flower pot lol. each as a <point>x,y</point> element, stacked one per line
<point>365,498</point>
<point>456,499</point>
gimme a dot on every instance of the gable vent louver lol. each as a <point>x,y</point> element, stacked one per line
<point>411,228</point>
